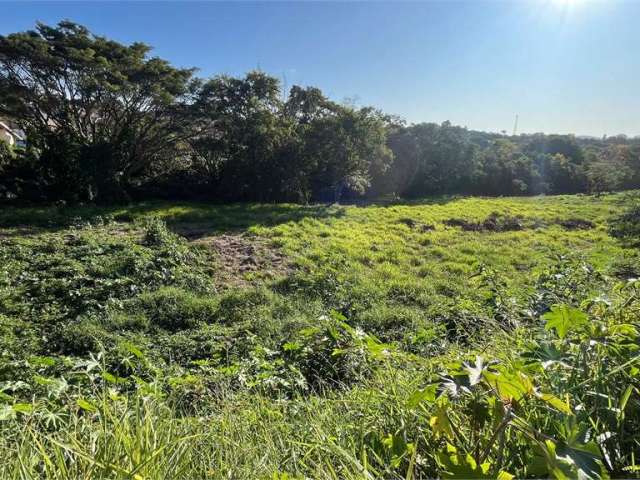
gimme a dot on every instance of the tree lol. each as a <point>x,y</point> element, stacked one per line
<point>307,148</point>
<point>243,153</point>
<point>98,113</point>
<point>505,170</point>
<point>608,171</point>
<point>342,150</point>
<point>432,159</point>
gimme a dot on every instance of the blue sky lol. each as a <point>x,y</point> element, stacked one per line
<point>564,66</point>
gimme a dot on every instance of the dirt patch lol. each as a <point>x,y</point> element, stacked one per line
<point>495,222</point>
<point>576,224</point>
<point>239,256</point>
<point>416,225</point>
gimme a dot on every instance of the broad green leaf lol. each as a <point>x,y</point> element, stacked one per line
<point>291,346</point>
<point>25,408</point>
<point>558,467</point>
<point>440,423</point>
<point>585,457</point>
<point>131,348</point>
<point>564,319</point>
<point>459,466</point>
<point>377,350</point>
<point>38,361</point>
<point>111,378</point>
<point>427,394</point>
<point>622,404</point>
<point>86,405</point>
<point>547,354</point>
<point>510,385</point>
<point>55,386</point>
<point>556,402</point>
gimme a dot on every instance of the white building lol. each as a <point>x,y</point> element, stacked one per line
<point>12,136</point>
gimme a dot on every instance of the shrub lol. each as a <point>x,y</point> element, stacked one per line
<point>626,226</point>
<point>238,306</point>
<point>175,309</point>
<point>626,265</point>
<point>156,233</point>
<point>332,355</point>
<point>79,338</point>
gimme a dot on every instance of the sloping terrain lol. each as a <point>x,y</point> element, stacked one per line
<point>238,341</point>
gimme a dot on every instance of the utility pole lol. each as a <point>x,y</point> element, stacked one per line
<point>515,126</point>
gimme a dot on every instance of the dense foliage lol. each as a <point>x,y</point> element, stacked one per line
<point>396,341</point>
<point>106,121</point>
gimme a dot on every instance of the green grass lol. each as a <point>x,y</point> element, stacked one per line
<point>209,349</point>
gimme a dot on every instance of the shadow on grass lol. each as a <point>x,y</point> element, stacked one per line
<point>191,219</point>
<point>392,202</point>
<point>197,221</point>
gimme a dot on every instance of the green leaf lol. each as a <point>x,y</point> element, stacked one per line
<point>131,348</point>
<point>427,394</point>
<point>510,385</point>
<point>25,408</point>
<point>291,346</point>
<point>459,466</point>
<point>440,423</point>
<point>5,398</point>
<point>38,361</point>
<point>556,402</point>
<point>564,319</point>
<point>377,350</point>
<point>86,405</point>
<point>548,462</point>
<point>622,404</point>
<point>585,457</point>
<point>111,378</point>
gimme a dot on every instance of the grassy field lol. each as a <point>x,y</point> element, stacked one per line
<point>285,341</point>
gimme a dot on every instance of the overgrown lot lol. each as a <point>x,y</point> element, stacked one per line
<point>463,337</point>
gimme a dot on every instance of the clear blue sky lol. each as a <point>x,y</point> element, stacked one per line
<point>567,66</point>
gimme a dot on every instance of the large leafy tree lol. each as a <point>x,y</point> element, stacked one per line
<point>339,149</point>
<point>430,158</point>
<point>305,148</point>
<point>343,149</point>
<point>241,154</point>
<point>100,115</point>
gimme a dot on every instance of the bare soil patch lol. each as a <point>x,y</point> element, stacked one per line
<point>242,258</point>
<point>495,222</point>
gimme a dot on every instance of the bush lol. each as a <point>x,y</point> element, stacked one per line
<point>626,226</point>
<point>332,355</point>
<point>175,309</point>
<point>238,306</point>
<point>79,338</point>
<point>156,233</point>
<point>626,265</point>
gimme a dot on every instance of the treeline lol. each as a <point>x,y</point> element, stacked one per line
<point>106,122</point>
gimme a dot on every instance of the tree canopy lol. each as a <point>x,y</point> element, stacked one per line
<point>106,121</point>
